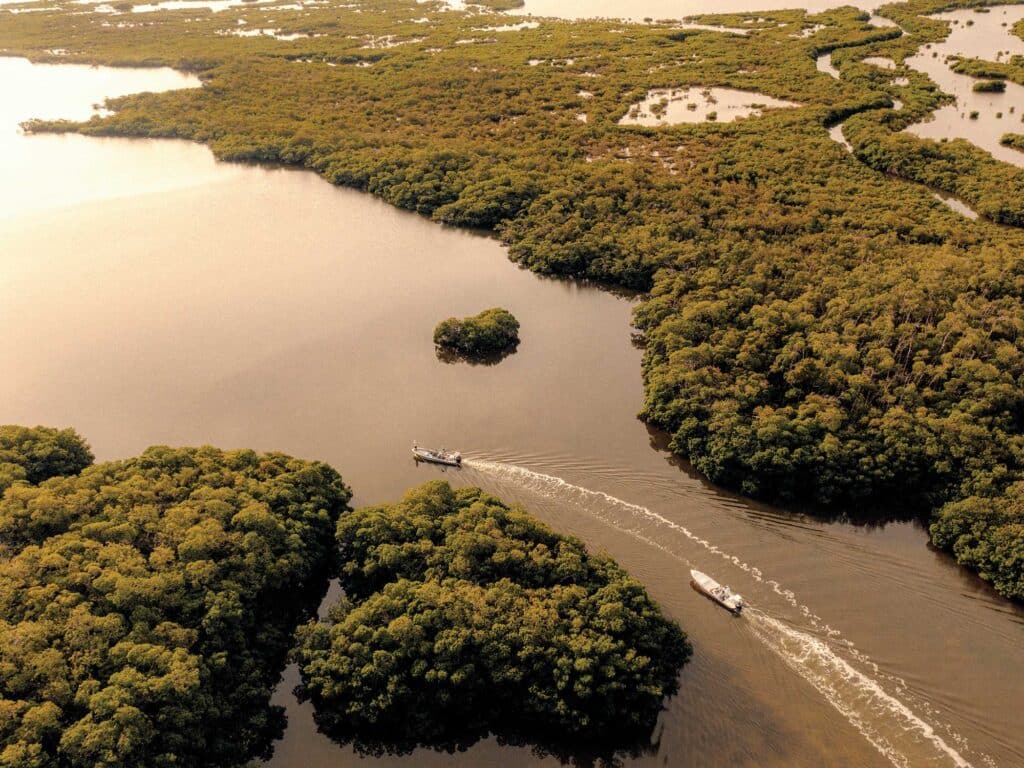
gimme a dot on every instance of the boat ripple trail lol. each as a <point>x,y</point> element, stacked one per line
<point>886,722</point>
<point>549,484</point>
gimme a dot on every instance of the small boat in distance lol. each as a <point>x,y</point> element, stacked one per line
<point>724,596</point>
<point>448,458</point>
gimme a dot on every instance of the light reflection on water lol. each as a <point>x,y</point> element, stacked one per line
<point>57,171</point>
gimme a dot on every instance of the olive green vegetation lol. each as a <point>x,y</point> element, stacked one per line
<point>989,86</point>
<point>36,454</point>
<point>499,5</point>
<point>1015,140</point>
<point>817,329</point>
<point>147,606</point>
<point>491,332</point>
<point>1011,69</point>
<point>463,616</point>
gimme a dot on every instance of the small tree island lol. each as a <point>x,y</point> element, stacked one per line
<point>464,617</point>
<point>989,86</point>
<point>491,333</point>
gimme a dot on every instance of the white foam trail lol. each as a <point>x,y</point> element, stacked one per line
<point>885,721</point>
<point>549,484</point>
<point>891,727</point>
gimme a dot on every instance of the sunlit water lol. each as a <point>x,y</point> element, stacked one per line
<point>981,118</point>
<point>167,298</point>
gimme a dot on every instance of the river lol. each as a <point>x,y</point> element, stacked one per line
<point>149,294</point>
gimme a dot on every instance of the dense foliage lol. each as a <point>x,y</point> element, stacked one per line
<point>1015,140</point>
<point>34,454</point>
<point>1011,69</point>
<point>148,605</point>
<point>464,616</point>
<point>819,327</point>
<point>491,332</point>
<point>989,86</point>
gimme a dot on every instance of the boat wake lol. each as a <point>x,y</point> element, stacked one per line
<point>817,652</point>
<point>885,721</point>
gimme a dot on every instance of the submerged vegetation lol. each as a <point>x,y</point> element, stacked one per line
<point>818,326</point>
<point>463,616</point>
<point>489,333</point>
<point>147,606</point>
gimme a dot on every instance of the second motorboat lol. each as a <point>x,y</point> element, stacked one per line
<point>724,596</point>
<point>448,458</point>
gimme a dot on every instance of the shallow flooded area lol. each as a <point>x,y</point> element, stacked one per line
<point>981,118</point>
<point>699,105</point>
<point>880,61</point>
<point>824,64</point>
<point>149,294</point>
<point>666,9</point>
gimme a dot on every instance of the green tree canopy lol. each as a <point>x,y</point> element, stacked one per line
<point>464,617</point>
<point>491,332</point>
<point>35,454</point>
<point>148,606</point>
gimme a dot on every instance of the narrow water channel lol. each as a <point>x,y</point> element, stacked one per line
<point>189,301</point>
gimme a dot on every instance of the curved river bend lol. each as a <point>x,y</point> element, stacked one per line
<point>151,295</point>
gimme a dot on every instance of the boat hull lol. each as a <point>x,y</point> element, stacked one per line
<point>432,458</point>
<point>714,591</point>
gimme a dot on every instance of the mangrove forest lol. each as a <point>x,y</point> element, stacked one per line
<point>818,327</point>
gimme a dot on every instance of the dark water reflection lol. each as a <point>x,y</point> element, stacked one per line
<point>452,358</point>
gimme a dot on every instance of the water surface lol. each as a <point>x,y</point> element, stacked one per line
<point>167,298</point>
<point>671,106</point>
<point>981,118</point>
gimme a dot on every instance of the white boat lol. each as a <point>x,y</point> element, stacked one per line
<point>448,458</point>
<point>724,596</point>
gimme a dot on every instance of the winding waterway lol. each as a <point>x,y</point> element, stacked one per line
<point>149,294</point>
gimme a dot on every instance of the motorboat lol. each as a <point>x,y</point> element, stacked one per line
<point>441,456</point>
<point>724,596</point>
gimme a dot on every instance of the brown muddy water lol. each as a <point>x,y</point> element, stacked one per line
<point>149,294</point>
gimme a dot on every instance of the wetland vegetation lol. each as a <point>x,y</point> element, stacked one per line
<point>491,332</point>
<point>147,606</point>
<point>462,616</point>
<point>1012,69</point>
<point>819,328</point>
<point>37,454</point>
<point>1015,140</point>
